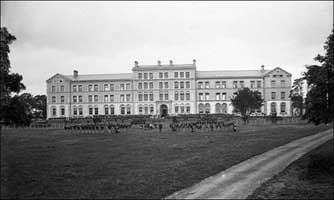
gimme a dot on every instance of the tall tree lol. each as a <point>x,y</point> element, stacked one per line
<point>9,82</point>
<point>296,95</point>
<point>320,78</point>
<point>247,100</point>
<point>18,111</point>
<point>40,106</point>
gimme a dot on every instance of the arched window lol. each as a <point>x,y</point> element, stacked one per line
<point>140,109</point>
<point>146,109</point>
<point>128,109</point>
<point>62,110</point>
<point>106,110</point>
<point>151,109</point>
<point>80,110</point>
<point>75,111</point>
<point>207,108</point>
<point>218,108</point>
<point>273,107</point>
<point>188,108</point>
<point>90,110</point>
<point>201,108</point>
<point>122,109</point>
<point>112,109</point>
<point>224,108</point>
<point>283,105</point>
<point>54,111</point>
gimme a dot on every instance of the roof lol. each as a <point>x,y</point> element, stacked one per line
<point>88,77</point>
<point>163,67</point>
<point>231,73</point>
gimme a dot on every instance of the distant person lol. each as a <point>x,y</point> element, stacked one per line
<point>160,127</point>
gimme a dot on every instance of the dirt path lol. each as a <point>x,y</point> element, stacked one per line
<point>242,179</point>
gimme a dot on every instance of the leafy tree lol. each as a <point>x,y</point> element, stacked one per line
<point>18,111</point>
<point>247,100</point>
<point>320,98</point>
<point>296,95</point>
<point>9,82</point>
<point>40,106</point>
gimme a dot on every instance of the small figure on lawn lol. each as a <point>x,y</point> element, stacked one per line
<point>160,127</point>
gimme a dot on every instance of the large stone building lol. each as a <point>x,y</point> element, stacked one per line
<point>164,89</point>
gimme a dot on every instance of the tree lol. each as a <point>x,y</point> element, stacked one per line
<point>18,112</point>
<point>247,100</point>
<point>9,82</point>
<point>320,98</point>
<point>296,95</point>
<point>40,106</point>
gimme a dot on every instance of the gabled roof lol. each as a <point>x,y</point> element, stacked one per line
<point>100,77</point>
<point>163,67</point>
<point>230,73</point>
<point>269,72</point>
<point>61,75</point>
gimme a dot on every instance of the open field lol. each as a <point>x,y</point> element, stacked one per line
<point>310,177</point>
<point>54,164</point>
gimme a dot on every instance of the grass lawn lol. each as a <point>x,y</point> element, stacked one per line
<point>310,177</point>
<point>135,164</point>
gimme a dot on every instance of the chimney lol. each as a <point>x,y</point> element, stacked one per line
<point>262,68</point>
<point>136,63</point>
<point>75,73</point>
<point>159,62</point>
<point>194,61</point>
<point>170,62</point>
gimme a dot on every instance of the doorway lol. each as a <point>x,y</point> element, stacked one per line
<point>163,110</point>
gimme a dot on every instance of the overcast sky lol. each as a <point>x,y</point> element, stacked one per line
<point>107,37</point>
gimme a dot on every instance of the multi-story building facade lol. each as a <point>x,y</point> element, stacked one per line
<point>164,89</point>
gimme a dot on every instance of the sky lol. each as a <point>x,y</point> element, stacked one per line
<point>108,36</point>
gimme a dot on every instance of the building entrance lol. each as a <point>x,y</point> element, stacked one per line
<point>163,110</point>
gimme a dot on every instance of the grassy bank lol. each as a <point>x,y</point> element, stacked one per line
<point>55,164</point>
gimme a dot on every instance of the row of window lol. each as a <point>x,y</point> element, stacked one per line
<point>282,107</point>
<point>94,98</point>
<point>94,87</point>
<point>273,95</point>
<point>163,75</point>
<point>222,84</point>
<point>108,110</point>
<point>206,108</point>
<point>273,83</point>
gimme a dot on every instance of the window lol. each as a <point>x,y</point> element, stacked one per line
<point>96,111</point>
<point>106,110</point>
<point>207,96</point>
<point>161,75</point>
<point>151,109</point>
<point>188,84</point>
<point>187,74</point>
<point>151,75</point>
<point>181,96</point>
<point>235,84</point>
<point>75,111</point>
<point>160,85</point>
<point>181,84</point>
<point>151,85</point>
<point>62,111</point>
<point>128,109</point>
<point>217,96</point>
<point>62,99</point>
<point>207,85</point>
<point>188,109</point>
<point>53,99</point>
<point>161,96</point>
<point>258,84</point>
<point>145,75</point>
<point>224,96</point>
<point>122,86</point>
<point>127,86</point>
<point>80,99</point>
<point>283,107</point>
<point>282,95</point>
<point>182,109</point>
<point>90,110</point>
<point>224,108</point>
<point>128,97</point>
<point>90,98</point>
<point>140,97</point>
<point>200,96</point>
<point>140,86</point>
<point>53,89</point>
<point>188,96</point>
<point>145,85</point>
<point>151,97</point>
<point>217,108</point>
<point>90,88</point>
<point>140,109</point>
<point>273,107</point>
<point>105,98</point>
<point>96,98</point>
<point>207,108</point>
<point>105,87</point>
<point>75,99</point>
<point>145,97</point>
<point>140,76</point>
<point>176,75</point>
<point>146,110</point>
<point>176,85</point>
<point>273,83</point>
<point>200,84</point>
<point>223,84</point>
<point>176,109</point>
<point>201,108</point>
<point>62,88</point>
<point>96,87</point>
<point>176,96</point>
<point>166,85</point>
<point>54,111</point>
<point>112,87</point>
<point>166,74</point>
<point>80,111</point>
<point>252,84</point>
<point>242,84</point>
<point>122,98</point>
<point>112,110</point>
<point>282,83</point>
<point>166,96</point>
<point>80,88</point>
<point>112,99</point>
<point>273,95</point>
<point>217,84</point>
<point>181,74</point>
